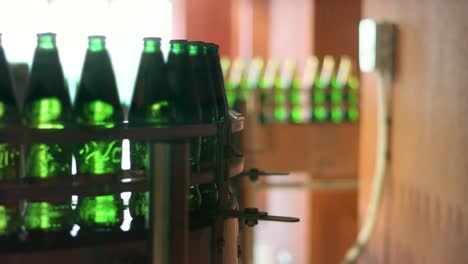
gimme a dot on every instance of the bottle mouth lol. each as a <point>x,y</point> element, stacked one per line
<point>96,43</point>
<point>178,46</point>
<point>46,40</point>
<point>196,47</point>
<point>211,48</point>
<point>151,44</point>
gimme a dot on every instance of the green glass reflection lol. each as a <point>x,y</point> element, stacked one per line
<point>151,45</point>
<point>337,114</point>
<point>45,113</point>
<point>209,196</point>
<point>100,157</point>
<point>2,109</point>
<point>280,114</point>
<point>280,98</point>
<point>46,41</point>
<point>159,112</point>
<point>295,84</point>
<point>336,97</point>
<point>100,211</point>
<point>194,49</point>
<point>231,98</point>
<point>319,97</point>
<point>194,198</point>
<point>320,85</point>
<point>353,98</point>
<point>139,208</point>
<point>96,44</point>
<point>47,160</point>
<point>353,114</point>
<point>4,219</point>
<point>48,216</point>
<point>336,84</point>
<point>9,161</point>
<point>353,83</point>
<point>320,113</point>
<point>97,113</point>
<point>297,115</point>
<point>178,46</point>
<point>295,97</point>
<point>9,220</point>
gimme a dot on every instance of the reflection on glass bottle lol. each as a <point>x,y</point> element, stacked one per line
<point>9,154</point>
<point>97,105</point>
<point>47,106</point>
<point>150,107</point>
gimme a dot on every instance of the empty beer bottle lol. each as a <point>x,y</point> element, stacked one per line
<point>204,86</point>
<point>214,68</point>
<point>282,91</point>
<point>353,99</point>
<point>9,154</point>
<point>233,84</point>
<point>97,105</point>
<point>47,106</point>
<point>301,110</point>
<point>321,108</point>
<point>149,107</point>
<point>182,94</point>
<point>266,91</point>
<point>185,102</point>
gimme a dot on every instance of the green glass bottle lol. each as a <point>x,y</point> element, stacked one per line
<point>9,154</point>
<point>267,98</point>
<point>353,99</point>
<point>185,102</point>
<point>203,86</point>
<point>182,95</point>
<point>337,114</point>
<point>234,83</point>
<point>353,114</point>
<point>149,107</point>
<point>47,106</point>
<point>320,113</point>
<point>283,87</point>
<point>214,68</point>
<point>97,105</point>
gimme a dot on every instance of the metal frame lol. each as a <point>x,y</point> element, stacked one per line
<point>169,176</point>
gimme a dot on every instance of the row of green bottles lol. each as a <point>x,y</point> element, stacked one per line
<point>48,106</point>
<point>188,89</point>
<point>279,94</point>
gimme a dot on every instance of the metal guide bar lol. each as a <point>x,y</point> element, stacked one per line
<point>314,185</point>
<point>64,187</point>
<point>67,135</point>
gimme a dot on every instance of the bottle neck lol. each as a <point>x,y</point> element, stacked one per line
<point>96,44</point>
<point>152,46</point>
<point>178,48</point>
<point>46,42</point>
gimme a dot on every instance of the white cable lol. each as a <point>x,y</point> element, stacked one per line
<point>379,176</point>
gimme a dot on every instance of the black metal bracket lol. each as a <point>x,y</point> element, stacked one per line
<point>255,173</point>
<point>251,216</point>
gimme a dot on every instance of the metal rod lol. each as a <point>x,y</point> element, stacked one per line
<point>169,181</point>
<point>314,185</point>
